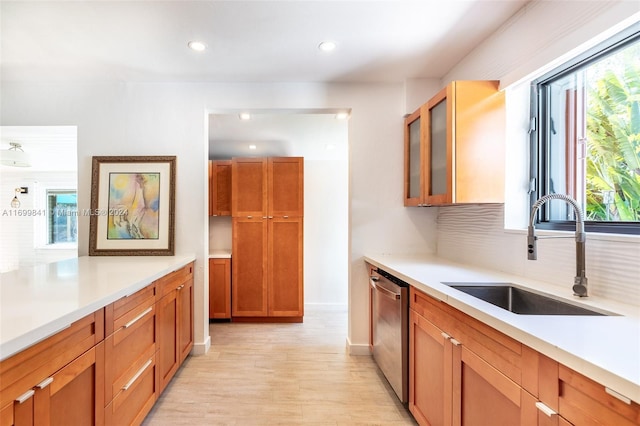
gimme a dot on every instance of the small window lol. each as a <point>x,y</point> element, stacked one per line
<point>62,216</point>
<point>586,138</point>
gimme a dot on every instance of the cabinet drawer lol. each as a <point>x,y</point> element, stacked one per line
<point>499,350</point>
<point>123,307</point>
<point>26,369</point>
<point>135,397</point>
<point>578,392</point>
<point>130,346</point>
<point>174,280</point>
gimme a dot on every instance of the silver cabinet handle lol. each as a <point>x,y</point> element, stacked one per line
<point>374,278</point>
<point>617,395</point>
<point>25,396</point>
<point>136,319</point>
<point>285,217</point>
<point>545,409</point>
<point>455,342</point>
<point>270,217</point>
<point>180,287</point>
<point>138,374</point>
<point>46,382</point>
<point>445,335</point>
<point>249,217</point>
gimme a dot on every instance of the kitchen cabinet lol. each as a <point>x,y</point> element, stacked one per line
<point>267,267</point>
<point>131,382</point>
<point>578,400</point>
<point>454,146</point>
<point>47,383</point>
<point>220,188</point>
<point>219,288</point>
<point>267,238</point>
<point>462,372</point>
<point>175,322</point>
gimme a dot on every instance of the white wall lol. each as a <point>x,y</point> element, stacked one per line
<point>171,119</point>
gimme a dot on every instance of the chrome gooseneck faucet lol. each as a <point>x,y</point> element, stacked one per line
<point>580,281</point>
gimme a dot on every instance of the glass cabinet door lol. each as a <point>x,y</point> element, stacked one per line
<point>438,150</point>
<point>413,160</point>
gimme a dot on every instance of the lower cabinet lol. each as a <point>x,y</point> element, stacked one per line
<point>175,322</point>
<point>59,381</point>
<point>463,372</point>
<point>80,377</point>
<point>219,288</point>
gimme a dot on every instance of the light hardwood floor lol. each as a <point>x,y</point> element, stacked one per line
<point>279,374</point>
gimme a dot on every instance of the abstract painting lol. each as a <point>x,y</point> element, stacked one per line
<point>132,206</point>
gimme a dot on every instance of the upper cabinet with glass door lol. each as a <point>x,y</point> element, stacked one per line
<point>454,146</point>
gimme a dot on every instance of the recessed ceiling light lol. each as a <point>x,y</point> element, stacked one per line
<point>198,46</point>
<point>253,147</point>
<point>245,116</point>
<point>327,46</point>
<point>342,115</point>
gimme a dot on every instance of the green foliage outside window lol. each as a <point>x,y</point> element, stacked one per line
<point>613,138</point>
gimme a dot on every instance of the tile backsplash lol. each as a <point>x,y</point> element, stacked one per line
<point>475,234</point>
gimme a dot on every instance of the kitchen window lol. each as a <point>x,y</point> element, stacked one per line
<point>585,138</point>
<point>62,216</point>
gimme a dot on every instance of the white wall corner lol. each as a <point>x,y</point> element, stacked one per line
<point>417,91</point>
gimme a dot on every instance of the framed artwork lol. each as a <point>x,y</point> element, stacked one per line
<point>132,206</point>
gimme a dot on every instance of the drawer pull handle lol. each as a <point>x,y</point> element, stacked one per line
<point>180,287</point>
<point>46,382</point>
<point>136,319</point>
<point>138,374</point>
<point>617,395</point>
<point>455,342</point>
<point>25,396</point>
<point>445,335</point>
<point>546,410</point>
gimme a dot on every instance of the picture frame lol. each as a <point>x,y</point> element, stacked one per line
<point>132,206</point>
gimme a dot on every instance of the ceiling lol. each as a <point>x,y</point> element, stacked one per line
<point>248,41</point>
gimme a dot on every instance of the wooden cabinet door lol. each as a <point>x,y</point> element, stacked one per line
<point>249,267</point>
<point>220,188</point>
<point>414,159</point>
<point>75,394</point>
<point>185,318</point>
<point>430,372</point>
<point>484,396</point>
<point>285,279</point>
<point>219,288</point>
<point>438,185</point>
<point>285,187</point>
<point>168,358</point>
<point>249,187</point>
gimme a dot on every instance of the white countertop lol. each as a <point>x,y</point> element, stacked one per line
<point>604,348</point>
<point>39,301</point>
<point>220,254</point>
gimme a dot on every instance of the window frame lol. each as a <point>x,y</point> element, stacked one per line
<point>539,181</point>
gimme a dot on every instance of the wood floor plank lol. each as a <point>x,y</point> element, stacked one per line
<point>279,374</point>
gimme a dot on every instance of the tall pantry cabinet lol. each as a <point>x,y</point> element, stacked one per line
<point>267,238</point>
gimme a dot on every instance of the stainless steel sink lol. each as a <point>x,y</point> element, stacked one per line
<point>520,301</point>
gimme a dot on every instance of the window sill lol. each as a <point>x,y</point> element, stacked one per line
<point>598,236</point>
<point>61,246</point>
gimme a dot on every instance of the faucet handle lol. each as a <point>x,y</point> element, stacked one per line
<point>532,252</point>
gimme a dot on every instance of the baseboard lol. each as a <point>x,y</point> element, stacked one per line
<point>358,349</point>
<point>201,348</point>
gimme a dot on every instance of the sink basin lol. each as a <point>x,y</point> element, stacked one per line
<point>520,301</point>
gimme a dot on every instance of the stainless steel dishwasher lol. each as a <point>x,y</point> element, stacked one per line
<point>390,329</point>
